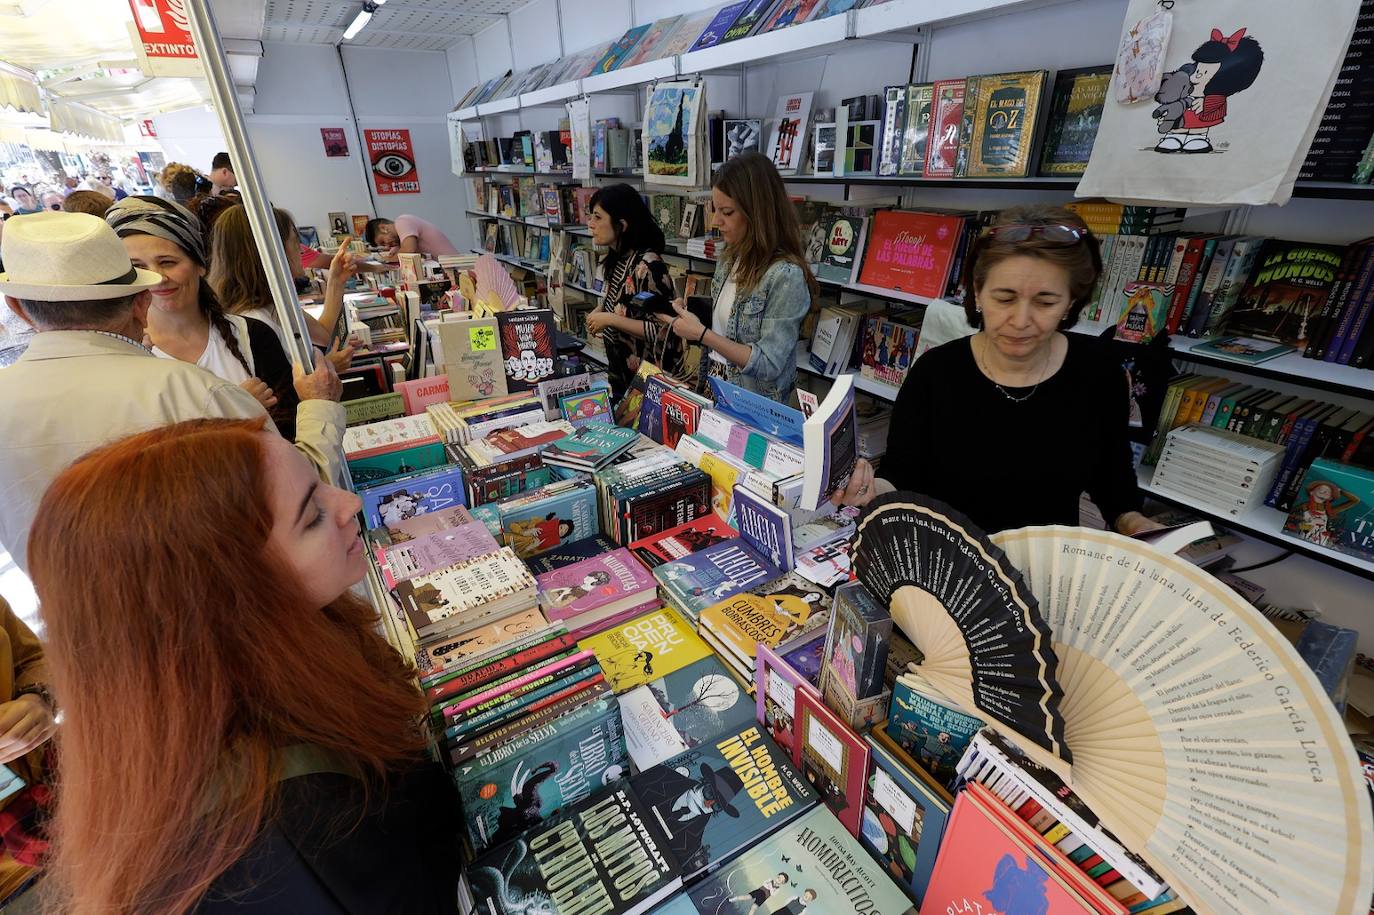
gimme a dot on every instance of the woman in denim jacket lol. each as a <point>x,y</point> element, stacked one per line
<point>763,287</point>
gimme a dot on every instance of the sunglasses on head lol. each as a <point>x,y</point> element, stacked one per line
<point>1055,233</point>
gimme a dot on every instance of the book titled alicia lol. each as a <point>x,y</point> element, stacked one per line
<point>605,855</point>
<point>708,576</point>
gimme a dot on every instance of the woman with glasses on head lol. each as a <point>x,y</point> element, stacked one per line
<point>1012,424</point>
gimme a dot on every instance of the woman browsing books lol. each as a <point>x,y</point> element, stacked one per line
<point>1010,426</point>
<point>620,222</point>
<point>763,288</point>
<point>186,321</point>
<point>263,752</point>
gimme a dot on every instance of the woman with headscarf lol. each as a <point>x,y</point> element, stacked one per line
<point>186,321</point>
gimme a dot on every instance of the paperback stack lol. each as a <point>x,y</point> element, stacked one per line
<point>558,513</point>
<point>710,575</point>
<point>766,614</point>
<point>462,421</point>
<point>650,494</point>
<point>682,540</point>
<point>669,410</point>
<point>528,745</point>
<point>462,597</point>
<point>507,444</point>
<point>589,448</point>
<point>597,593</point>
<point>1222,470</point>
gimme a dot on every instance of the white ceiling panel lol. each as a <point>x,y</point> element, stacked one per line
<point>418,25</point>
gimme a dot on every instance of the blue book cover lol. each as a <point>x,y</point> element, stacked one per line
<point>719,26</point>
<point>1334,508</point>
<point>590,446</point>
<point>721,797</point>
<point>539,520</point>
<point>709,576</point>
<point>903,822</point>
<point>806,657</point>
<point>651,408</point>
<point>679,710</point>
<point>617,52</point>
<point>503,795</point>
<point>778,420</point>
<point>856,647</point>
<point>765,527</point>
<point>930,729</point>
<point>407,497</point>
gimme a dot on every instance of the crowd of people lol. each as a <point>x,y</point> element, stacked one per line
<point>170,481</point>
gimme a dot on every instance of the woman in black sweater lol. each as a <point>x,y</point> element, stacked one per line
<point>1010,426</point>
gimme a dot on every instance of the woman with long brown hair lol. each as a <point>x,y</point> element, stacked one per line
<point>240,280</point>
<point>237,736</point>
<point>762,289</point>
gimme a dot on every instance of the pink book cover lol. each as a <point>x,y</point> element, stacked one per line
<point>428,523</point>
<point>569,661</point>
<point>943,144</point>
<point>592,583</point>
<point>624,616</point>
<point>776,686</point>
<point>422,392</point>
<point>981,867</point>
<point>436,551</point>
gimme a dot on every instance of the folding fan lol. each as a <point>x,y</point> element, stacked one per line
<point>495,289</point>
<point>1198,735</point>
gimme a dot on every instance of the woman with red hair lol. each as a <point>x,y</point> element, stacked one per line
<point>237,736</point>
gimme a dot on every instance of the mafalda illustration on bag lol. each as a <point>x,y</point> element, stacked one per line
<point>1193,99</point>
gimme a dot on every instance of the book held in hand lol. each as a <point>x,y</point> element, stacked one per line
<point>832,444</point>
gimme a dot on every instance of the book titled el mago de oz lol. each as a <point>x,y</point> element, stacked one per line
<point>723,796</point>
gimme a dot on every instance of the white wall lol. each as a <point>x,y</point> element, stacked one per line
<point>300,89</point>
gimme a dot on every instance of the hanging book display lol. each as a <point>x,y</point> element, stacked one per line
<point>1212,136</point>
<point>675,141</point>
<point>580,127</point>
<point>1180,703</point>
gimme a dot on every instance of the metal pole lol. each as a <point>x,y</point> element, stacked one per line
<point>255,204</point>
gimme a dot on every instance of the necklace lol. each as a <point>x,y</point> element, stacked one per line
<point>982,364</point>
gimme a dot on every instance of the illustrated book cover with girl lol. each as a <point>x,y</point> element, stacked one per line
<point>601,586</point>
<point>1335,508</point>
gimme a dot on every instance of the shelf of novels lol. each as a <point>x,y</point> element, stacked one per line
<point>499,106</point>
<point>511,172</point>
<point>866,385</point>
<point>1262,523</point>
<point>807,39</point>
<point>582,289</point>
<point>536,266</point>
<point>551,95</point>
<point>536,222</point>
<point>627,77</point>
<point>1293,367</point>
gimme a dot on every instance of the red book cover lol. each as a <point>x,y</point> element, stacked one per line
<point>833,757</point>
<point>947,115</point>
<point>501,667</point>
<point>1183,283</point>
<point>982,867</point>
<point>680,417</point>
<point>910,252</point>
<point>682,540</point>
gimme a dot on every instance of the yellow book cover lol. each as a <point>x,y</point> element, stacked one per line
<point>645,648</point>
<point>770,614</point>
<point>723,476</point>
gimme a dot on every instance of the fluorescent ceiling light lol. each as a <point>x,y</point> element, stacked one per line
<point>356,26</point>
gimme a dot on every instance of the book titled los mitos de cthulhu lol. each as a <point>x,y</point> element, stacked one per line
<point>605,855</point>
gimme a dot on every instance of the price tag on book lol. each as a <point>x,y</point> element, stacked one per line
<point>894,800</point>
<point>781,692</point>
<point>826,744</point>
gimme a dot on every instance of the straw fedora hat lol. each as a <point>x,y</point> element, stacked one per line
<point>67,257</point>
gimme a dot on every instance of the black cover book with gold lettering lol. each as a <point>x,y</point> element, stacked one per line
<point>1000,115</point>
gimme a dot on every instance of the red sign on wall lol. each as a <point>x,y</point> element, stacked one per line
<point>166,36</point>
<point>146,128</point>
<point>393,161</point>
<point>335,143</point>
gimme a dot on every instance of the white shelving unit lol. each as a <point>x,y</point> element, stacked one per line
<point>876,388</point>
<point>1262,522</point>
<point>638,75</point>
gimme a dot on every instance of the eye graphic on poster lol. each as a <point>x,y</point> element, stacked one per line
<point>1193,99</point>
<point>392,158</point>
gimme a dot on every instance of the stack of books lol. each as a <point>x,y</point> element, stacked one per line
<point>682,540</point>
<point>463,596</point>
<point>590,447</point>
<point>650,494</point>
<point>1222,470</point>
<point>506,444</point>
<point>550,516</point>
<point>691,584</point>
<point>765,614</point>
<point>463,421</point>
<point>597,592</point>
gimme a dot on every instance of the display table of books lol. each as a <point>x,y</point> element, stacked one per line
<point>665,681</point>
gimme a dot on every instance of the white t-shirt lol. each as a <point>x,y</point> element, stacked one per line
<point>217,359</point>
<point>267,315</point>
<point>722,310</point>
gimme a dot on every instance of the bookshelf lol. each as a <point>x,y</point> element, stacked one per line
<point>1262,523</point>
<point>538,266</point>
<point>875,388</point>
<point>538,222</point>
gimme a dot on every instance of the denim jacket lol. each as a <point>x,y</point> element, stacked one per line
<point>768,319</point>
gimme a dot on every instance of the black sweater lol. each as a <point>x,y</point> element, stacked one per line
<point>957,438</point>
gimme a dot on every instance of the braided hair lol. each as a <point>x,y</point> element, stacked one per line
<point>214,313</point>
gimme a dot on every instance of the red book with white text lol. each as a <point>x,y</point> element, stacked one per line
<point>911,252</point>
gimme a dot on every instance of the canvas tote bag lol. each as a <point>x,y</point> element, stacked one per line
<point>1244,87</point>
